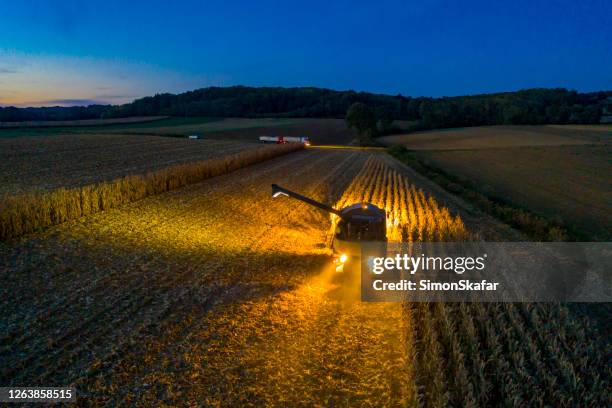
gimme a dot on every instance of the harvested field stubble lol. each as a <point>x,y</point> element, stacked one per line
<point>47,163</point>
<point>495,137</point>
<point>569,185</point>
<point>27,212</point>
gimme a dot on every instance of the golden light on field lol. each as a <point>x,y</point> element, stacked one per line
<point>217,294</point>
<point>26,212</point>
<point>411,215</point>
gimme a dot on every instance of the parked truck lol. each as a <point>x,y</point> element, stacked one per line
<point>285,139</point>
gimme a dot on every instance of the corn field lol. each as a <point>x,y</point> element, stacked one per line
<point>480,354</point>
<point>25,213</point>
<point>411,215</point>
<point>218,295</point>
<point>483,354</point>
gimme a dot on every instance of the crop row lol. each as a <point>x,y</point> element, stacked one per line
<point>482,354</point>
<point>411,215</point>
<point>28,212</point>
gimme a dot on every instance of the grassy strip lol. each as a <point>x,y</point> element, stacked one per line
<point>80,123</point>
<point>26,213</point>
<point>535,226</point>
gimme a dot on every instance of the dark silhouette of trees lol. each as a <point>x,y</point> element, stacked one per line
<point>13,114</point>
<point>360,117</point>
<point>384,120</point>
<point>530,106</point>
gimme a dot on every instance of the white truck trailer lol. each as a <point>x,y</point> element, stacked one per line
<point>285,139</point>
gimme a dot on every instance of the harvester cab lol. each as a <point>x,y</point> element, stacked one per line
<point>357,223</point>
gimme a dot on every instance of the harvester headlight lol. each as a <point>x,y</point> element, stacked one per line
<point>279,193</point>
<point>343,258</point>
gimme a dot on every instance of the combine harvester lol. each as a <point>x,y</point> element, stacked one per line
<point>285,139</point>
<point>358,223</point>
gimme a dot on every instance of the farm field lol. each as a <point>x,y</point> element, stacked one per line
<point>82,122</point>
<point>186,126</point>
<point>216,294</point>
<point>570,183</point>
<point>321,131</point>
<point>168,126</point>
<point>50,162</point>
<point>495,137</point>
<point>561,173</point>
<point>607,128</point>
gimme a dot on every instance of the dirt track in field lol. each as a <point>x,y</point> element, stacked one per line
<point>216,294</point>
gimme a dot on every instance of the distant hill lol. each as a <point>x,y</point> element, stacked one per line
<point>530,106</point>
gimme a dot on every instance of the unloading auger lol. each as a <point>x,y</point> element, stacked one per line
<point>358,223</point>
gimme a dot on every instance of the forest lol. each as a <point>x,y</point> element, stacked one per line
<point>530,106</point>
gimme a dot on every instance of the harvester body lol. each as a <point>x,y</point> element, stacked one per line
<point>358,223</point>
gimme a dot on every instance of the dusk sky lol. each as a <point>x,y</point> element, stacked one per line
<point>74,53</point>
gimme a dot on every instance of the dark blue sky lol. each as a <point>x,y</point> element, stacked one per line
<point>112,51</point>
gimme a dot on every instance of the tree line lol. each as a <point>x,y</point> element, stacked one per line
<point>531,106</point>
<point>13,114</point>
